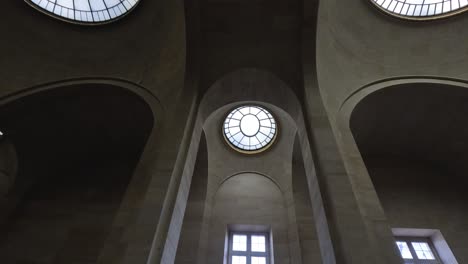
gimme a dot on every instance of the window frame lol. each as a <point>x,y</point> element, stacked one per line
<point>248,253</point>
<point>226,131</point>
<point>415,259</point>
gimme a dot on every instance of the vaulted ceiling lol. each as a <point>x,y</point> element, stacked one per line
<point>61,132</point>
<point>423,123</point>
<point>238,34</point>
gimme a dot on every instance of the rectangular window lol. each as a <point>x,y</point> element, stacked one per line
<point>417,250</point>
<point>249,248</point>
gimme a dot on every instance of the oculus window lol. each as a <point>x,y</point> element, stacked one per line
<point>249,248</point>
<point>85,11</point>
<point>250,129</point>
<point>421,9</point>
<point>417,250</point>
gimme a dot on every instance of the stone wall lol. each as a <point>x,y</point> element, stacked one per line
<point>424,195</point>
<point>65,218</point>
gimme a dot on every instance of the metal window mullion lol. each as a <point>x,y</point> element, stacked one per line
<point>248,253</point>
<point>415,259</point>
<point>433,251</point>
<point>74,10</point>
<point>91,10</point>
<point>258,254</point>
<point>229,261</point>
<point>267,248</point>
<point>233,252</point>
<point>107,9</point>
<point>249,243</point>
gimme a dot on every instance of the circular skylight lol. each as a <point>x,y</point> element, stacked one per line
<point>250,128</point>
<point>421,9</point>
<point>85,11</point>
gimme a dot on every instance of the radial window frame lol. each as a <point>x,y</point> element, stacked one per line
<point>400,5</point>
<point>251,151</point>
<point>107,12</point>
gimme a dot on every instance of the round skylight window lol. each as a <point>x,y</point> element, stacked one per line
<point>421,9</point>
<point>250,129</point>
<point>85,11</point>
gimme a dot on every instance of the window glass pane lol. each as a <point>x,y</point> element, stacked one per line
<point>258,244</point>
<point>258,260</point>
<point>239,242</point>
<point>239,260</point>
<point>423,251</point>
<point>404,250</point>
<point>250,128</point>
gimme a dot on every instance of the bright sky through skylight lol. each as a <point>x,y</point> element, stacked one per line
<point>250,128</point>
<point>86,11</point>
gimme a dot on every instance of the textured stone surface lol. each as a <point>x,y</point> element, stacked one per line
<point>190,62</point>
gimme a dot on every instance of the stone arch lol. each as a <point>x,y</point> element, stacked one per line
<point>237,87</point>
<point>354,133</point>
<point>145,94</point>
<point>250,84</point>
<point>286,131</point>
<point>75,140</point>
<point>249,199</point>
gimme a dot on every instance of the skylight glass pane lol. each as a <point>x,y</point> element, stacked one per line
<point>112,2</point>
<point>250,128</point>
<point>258,244</point>
<point>258,260</point>
<point>89,11</point>
<point>239,260</point>
<point>97,4</point>
<point>404,250</point>
<point>421,8</point>
<point>423,251</point>
<point>65,3</point>
<point>239,242</point>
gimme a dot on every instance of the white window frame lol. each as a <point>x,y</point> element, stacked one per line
<point>248,253</point>
<point>415,260</point>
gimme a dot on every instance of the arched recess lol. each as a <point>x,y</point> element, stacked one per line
<point>404,146</point>
<point>78,143</point>
<point>263,88</point>
<point>249,199</point>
